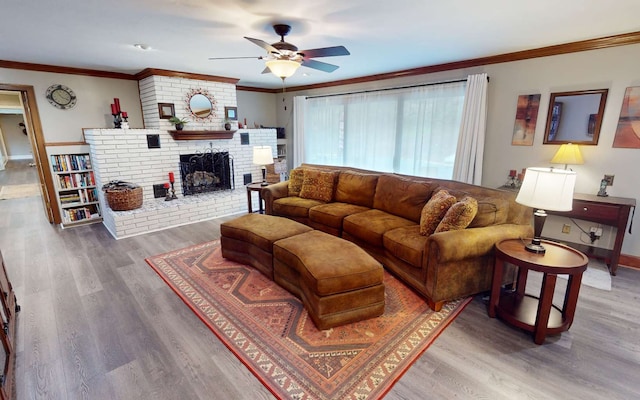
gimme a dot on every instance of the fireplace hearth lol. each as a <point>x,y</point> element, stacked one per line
<point>208,171</point>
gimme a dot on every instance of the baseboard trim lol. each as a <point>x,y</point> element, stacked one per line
<point>23,157</point>
<point>629,261</point>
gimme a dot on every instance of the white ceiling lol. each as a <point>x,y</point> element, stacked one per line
<point>382,36</point>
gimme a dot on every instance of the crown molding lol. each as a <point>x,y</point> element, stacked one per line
<point>566,48</point>
<point>147,72</point>
<point>573,47</point>
<point>64,70</point>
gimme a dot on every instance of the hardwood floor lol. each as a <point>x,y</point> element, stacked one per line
<point>98,323</point>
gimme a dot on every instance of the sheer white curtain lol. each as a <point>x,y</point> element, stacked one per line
<point>298,130</point>
<point>469,155</point>
<point>410,130</point>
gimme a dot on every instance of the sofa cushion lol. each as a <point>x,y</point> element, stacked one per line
<point>402,197</point>
<point>318,185</point>
<point>490,212</point>
<point>459,215</point>
<point>356,188</point>
<point>406,243</point>
<point>296,176</point>
<point>434,211</point>
<point>294,206</point>
<point>369,226</point>
<point>332,214</point>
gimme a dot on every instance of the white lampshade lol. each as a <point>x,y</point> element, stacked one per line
<point>262,155</point>
<point>568,153</point>
<point>547,189</point>
<point>282,68</point>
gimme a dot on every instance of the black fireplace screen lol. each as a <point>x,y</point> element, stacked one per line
<point>206,172</point>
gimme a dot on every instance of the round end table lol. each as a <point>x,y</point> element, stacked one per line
<point>536,314</point>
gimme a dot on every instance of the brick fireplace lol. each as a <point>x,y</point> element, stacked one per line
<point>123,154</point>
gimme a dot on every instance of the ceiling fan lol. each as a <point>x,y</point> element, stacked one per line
<point>283,58</point>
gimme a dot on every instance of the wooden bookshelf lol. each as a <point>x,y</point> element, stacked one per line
<point>76,190</point>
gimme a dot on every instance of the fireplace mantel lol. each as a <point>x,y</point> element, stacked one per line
<point>200,135</point>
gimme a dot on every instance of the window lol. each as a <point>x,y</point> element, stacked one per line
<point>411,131</point>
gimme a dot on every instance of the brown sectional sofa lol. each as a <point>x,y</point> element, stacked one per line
<point>381,213</point>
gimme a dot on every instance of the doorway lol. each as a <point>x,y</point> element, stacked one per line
<point>33,127</point>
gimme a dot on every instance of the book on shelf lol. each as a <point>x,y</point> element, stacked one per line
<point>70,162</point>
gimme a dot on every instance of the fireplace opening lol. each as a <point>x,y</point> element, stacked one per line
<point>206,172</point>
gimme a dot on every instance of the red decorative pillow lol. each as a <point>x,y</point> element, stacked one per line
<point>459,215</point>
<point>433,212</point>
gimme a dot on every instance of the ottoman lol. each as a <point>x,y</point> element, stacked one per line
<point>336,280</point>
<point>249,239</point>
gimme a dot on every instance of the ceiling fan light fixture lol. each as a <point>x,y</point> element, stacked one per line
<point>282,68</point>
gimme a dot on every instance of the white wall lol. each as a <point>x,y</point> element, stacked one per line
<point>258,108</point>
<point>613,68</point>
<point>92,110</point>
<point>18,146</point>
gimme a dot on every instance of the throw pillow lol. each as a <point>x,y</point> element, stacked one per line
<point>318,185</point>
<point>459,215</point>
<point>296,176</point>
<point>434,211</point>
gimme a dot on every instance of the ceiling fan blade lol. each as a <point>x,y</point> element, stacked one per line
<point>322,66</point>
<point>269,48</point>
<point>325,52</point>
<point>235,58</point>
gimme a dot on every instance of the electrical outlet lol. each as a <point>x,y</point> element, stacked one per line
<point>599,232</point>
<point>609,179</point>
<point>566,228</point>
<point>593,229</point>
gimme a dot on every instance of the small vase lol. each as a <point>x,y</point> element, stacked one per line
<point>179,127</point>
<point>227,126</point>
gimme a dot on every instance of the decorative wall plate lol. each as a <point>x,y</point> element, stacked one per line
<point>61,97</point>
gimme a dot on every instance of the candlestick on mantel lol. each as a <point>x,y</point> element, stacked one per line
<point>116,102</point>
<point>125,115</point>
<point>114,109</point>
<point>171,177</point>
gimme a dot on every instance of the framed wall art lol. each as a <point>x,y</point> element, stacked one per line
<point>628,130</point>
<point>166,110</point>
<point>526,118</point>
<point>231,113</point>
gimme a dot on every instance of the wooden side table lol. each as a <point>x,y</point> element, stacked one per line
<point>254,187</point>
<point>537,314</point>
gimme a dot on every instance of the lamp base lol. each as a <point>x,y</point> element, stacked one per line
<point>535,248</point>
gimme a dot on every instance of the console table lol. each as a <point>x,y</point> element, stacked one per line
<point>613,211</point>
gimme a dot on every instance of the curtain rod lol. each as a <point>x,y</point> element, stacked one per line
<point>385,89</point>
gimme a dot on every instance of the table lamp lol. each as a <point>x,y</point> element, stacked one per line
<point>263,156</point>
<point>545,189</point>
<point>568,153</point>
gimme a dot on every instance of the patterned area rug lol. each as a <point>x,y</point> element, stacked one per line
<point>19,191</point>
<point>268,329</point>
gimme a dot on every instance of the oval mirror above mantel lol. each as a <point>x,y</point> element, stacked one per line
<point>575,117</point>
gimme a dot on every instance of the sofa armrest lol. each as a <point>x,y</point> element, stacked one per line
<point>274,192</point>
<point>472,242</point>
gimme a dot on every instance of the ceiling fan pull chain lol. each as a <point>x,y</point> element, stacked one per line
<point>283,90</point>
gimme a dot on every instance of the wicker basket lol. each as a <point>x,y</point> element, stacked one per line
<point>123,196</point>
